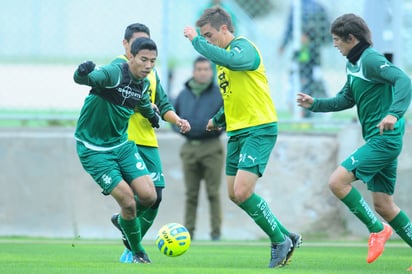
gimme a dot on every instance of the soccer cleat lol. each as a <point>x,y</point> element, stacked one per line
<point>127,256</point>
<point>279,253</point>
<point>296,242</point>
<point>377,242</point>
<point>141,258</point>
<point>115,221</point>
<point>215,238</point>
<point>410,268</point>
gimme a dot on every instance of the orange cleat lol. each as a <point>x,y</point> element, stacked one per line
<point>410,268</point>
<point>377,242</point>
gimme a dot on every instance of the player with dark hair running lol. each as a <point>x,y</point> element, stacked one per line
<point>382,94</point>
<point>101,134</point>
<point>142,133</point>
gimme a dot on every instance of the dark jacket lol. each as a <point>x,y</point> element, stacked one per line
<point>198,110</point>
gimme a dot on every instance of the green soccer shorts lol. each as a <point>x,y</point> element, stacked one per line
<point>375,163</point>
<point>151,158</point>
<point>108,168</point>
<point>250,151</point>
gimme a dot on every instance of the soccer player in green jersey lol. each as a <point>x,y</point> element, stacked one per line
<point>250,118</point>
<point>117,90</point>
<point>382,94</point>
<point>142,133</point>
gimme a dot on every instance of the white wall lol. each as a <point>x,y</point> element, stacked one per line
<point>45,191</point>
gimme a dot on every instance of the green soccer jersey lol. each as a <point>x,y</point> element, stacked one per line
<point>114,96</point>
<point>140,130</point>
<point>377,88</point>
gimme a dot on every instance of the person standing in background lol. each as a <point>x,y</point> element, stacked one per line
<point>144,136</point>
<point>314,34</point>
<point>202,154</point>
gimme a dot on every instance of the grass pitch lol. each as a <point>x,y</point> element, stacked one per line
<point>84,256</point>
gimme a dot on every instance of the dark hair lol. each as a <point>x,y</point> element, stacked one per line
<point>216,17</point>
<point>200,59</point>
<point>133,28</point>
<point>351,24</point>
<point>142,43</point>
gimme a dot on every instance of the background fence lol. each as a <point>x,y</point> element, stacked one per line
<point>42,41</point>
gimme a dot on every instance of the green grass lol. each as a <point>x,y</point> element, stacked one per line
<point>85,256</point>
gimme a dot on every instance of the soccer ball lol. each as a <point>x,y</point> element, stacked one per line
<point>173,239</point>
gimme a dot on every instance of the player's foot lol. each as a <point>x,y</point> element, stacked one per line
<point>296,242</point>
<point>115,221</point>
<point>127,256</point>
<point>141,258</point>
<point>279,252</point>
<point>410,268</point>
<point>377,242</point>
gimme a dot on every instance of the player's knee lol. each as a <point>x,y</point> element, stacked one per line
<point>232,198</point>
<point>241,195</point>
<point>129,208</point>
<point>151,200</point>
<point>336,184</point>
<point>148,199</point>
<point>333,185</point>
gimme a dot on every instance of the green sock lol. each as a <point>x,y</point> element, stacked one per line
<point>403,227</point>
<point>281,227</point>
<point>140,209</point>
<point>147,219</point>
<point>131,229</point>
<point>358,206</point>
<point>258,209</point>
<point>141,212</point>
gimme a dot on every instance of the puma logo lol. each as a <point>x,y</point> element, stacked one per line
<point>384,65</point>
<point>251,158</point>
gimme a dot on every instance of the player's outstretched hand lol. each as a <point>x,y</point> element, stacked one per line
<point>184,125</point>
<point>388,123</point>
<point>304,100</point>
<point>190,33</point>
<point>85,68</point>
<point>211,126</point>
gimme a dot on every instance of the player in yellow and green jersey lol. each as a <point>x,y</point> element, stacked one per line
<point>250,118</point>
<point>143,135</point>
<point>381,93</point>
